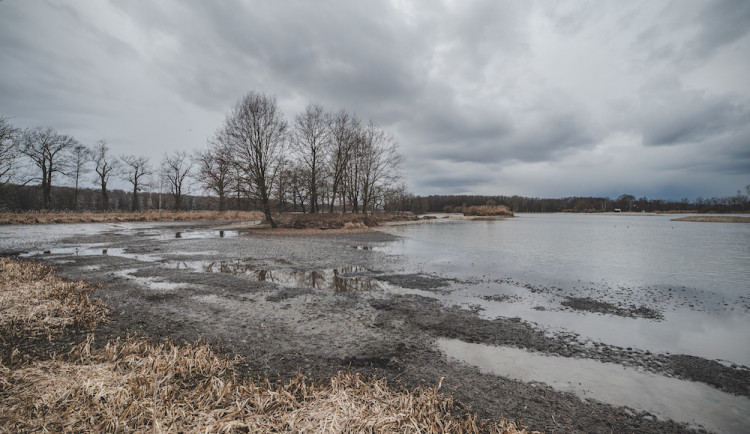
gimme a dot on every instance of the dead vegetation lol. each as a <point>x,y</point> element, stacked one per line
<point>34,303</point>
<point>488,211</point>
<point>44,217</point>
<point>133,384</point>
<point>338,221</point>
<point>713,219</point>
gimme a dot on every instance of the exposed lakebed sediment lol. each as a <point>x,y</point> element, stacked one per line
<point>319,303</point>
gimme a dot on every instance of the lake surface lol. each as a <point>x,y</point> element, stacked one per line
<point>696,274</point>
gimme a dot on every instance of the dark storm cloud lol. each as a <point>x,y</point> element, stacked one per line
<point>494,140</point>
<point>722,23</point>
<point>693,118</point>
<point>480,95</point>
<point>348,53</point>
<point>434,178</point>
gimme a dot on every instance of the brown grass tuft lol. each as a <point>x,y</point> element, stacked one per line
<point>35,303</point>
<point>135,385</point>
<point>486,211</point>
<point>348,221</point>
<point>44,217</point>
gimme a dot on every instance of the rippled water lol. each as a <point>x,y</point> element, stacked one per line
<point>670,398</point>
<point>566,248</point>
<point>696,274</point>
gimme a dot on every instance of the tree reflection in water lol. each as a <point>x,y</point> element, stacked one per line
<point>337,280</point>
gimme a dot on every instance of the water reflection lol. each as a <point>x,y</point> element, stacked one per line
<point>679,400</point>
<point>338,280</point>
<point>200,234</point>
<point>70,251</point>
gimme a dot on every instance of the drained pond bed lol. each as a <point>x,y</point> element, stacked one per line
<point>312,304</point>
<point>133,384</point>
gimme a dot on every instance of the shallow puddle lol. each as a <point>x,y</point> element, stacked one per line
<point>93,250</point>
<point>669,398</point>
<point>196,235</point>
<point>363,248</point>
<point>151,282</point>
<point>332,279</point>
<point>71,251</point>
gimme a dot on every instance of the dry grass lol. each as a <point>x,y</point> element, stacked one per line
<point>44,217</point>
<point>135,385</point>
<point>34,303</point>
<point>347,221</point>
<point>713,219</point>
<point>486,211</point>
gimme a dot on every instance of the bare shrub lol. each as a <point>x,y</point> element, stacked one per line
<point>485,211</point>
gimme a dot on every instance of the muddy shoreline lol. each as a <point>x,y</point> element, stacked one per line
<point>350,315</point>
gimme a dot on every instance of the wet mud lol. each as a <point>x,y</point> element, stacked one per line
<point>591,305</point>
<point>314,304</point>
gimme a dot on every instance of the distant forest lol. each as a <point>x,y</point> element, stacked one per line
<point>257,160</point>
<point>25,198</point>
<point>738,203</point>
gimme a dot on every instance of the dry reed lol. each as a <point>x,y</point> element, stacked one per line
<point>135,385</point>
<point>36,303</point>
<point>486,211</point>
<point>44,217</point>
<point>714,219</point>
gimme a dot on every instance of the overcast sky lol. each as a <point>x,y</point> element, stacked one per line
<point>542,98</point>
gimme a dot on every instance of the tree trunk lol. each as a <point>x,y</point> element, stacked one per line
<point>105,198</point>
<point>135,198</point>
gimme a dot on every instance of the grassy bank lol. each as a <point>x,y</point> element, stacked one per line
<point>44,217</point>
<point>488,211</point>
<point>713,219</point>
<point>133,384</point>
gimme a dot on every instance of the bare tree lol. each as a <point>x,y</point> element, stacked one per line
<point>379,164</point>
<point>298,185</point>
<point>9,136</point>
<point>352,174</point>
<point>135,168</point>
<point>344,134</point>
<point>46,149</point>
<point>311,140</point>
<point>80,155</point>
<point>175,169</point>
<point>105,165</point>
<point>215,169</point>
<point>255,131</point>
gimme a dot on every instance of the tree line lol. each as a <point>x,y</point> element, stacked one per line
<point>257,160</point>
<point>739,202</point>
<point>322,161</point>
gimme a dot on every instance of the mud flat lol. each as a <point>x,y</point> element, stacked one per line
<point>713,219</point>
<point>317,303</point>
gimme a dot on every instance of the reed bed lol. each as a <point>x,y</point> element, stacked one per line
<point>136,385</point>
<point>486,211</point>
<point>35,303</point>
<point>45,217</point>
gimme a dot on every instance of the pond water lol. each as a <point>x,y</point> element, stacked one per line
<point>695,274</point>
<point>332,279</point>
<point>668,398</point>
